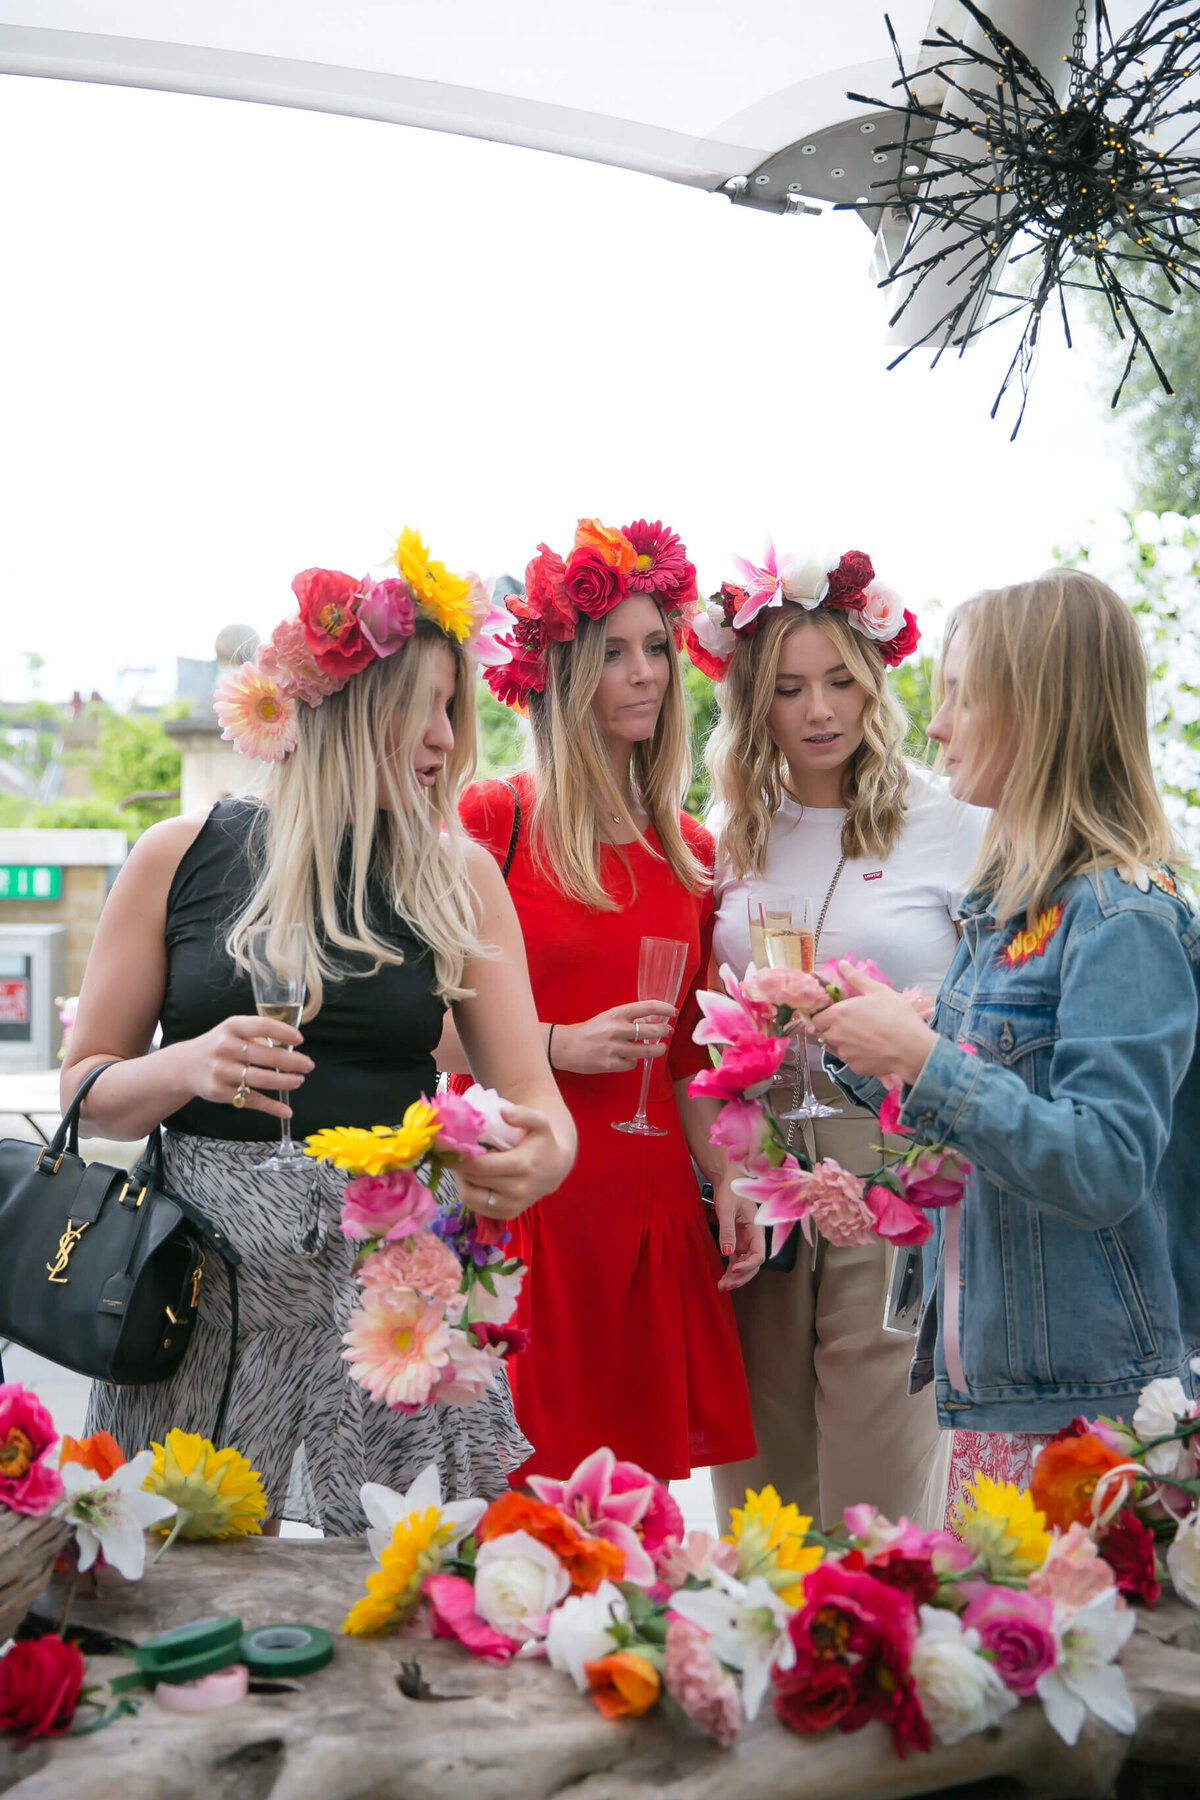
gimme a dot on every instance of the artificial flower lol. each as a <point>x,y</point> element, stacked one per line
<point>881,613</point>
<point>495,1133</point>
<point>388,1206</point>
<point>40,1679</point>
<point>903,644</point>
<point>1128,1548</point>
<point>693,1677</point>
<point>489,625</point>
<point>889,1112</point>
<point>771,1542</point>
<point>288,659</point>
<point>822,1693</point>
<point>493,1295</point>
<point>959,1691</point>
<point>518,1581</point>
<point>1085,1677</point>
<point>710,642</point>
<point>420,1261</point>
<point>1183,1559</point>
<point>795,989</point>
<point>1162,1407</point>
<point>745,1068</point>
<point>696,1558</point>
<point>1016,1629</point>
<point>660,563</point>
<point>328,613</point>
<point>546,598</point>
<point>461,1126</point>
<point>609,1499</point>
<point>831,973</point>
<point>746,1625</point>
<point>112,1515</point>
<point>469,1373</point>
<point>622,1685</point>
<point>934,1177</point>
<point>385,1509</point>
<point>1073,1572</point>
<point>522,674</point>
<point>914,1575</point>
<point>387,615</point>
<point>100,1452</point>
<point>872,1532</point>
<point>419,1542</point>
<point>29,1484</point>
<point>894,1216</point>
<point>451,1600</point>
<point>1065,1474</point>
<point>397,1345</point>
<point>255,716</point>
<point>441,594</point>
<point>827,1194</point>
<point>581,1630</point>
<point>507,1339</point>
<point>805,580</point>
<point>612,547</point>
<point>593,584</point>
<point>763,583</point>
<point>1001,1524</point>
<point>849,1615</point>
<point>216,1492</point>
<point>848,582</point>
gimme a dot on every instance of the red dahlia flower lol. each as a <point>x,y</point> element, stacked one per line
<point>329,614</point>
<point>1128,1549</point>
<point>854,572</point>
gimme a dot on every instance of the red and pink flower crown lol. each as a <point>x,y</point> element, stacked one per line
<point>849,587</point>
<point>605,566</point>
<point>343,624</point>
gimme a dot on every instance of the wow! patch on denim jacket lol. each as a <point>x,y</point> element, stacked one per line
<point>1070,1274</point>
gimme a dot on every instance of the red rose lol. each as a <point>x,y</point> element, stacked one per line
<point>329,614</point>
<point>732,599</point>
<point>904,642</point>
<point>815,1696</point>
<point>546,597</point>
<point>593,585</point>
<point>854,572</point>
<point>40,1681</point>
<point>1128,1549</point>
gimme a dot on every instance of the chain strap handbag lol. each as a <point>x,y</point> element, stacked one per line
<point>101,1269</point>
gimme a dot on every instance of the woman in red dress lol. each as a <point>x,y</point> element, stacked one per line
<point>632,1336</point>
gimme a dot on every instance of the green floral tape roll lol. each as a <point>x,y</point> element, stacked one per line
<point>202,1640</point>
<point>285,1649</point>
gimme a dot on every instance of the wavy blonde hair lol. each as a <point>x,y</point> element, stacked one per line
<point>571,771</point>
<point>352,771</point>
<point>1055,669</point>
<point>747,766</point>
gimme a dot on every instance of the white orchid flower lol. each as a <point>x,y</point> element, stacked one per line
<point>581,1630</point>
<point>385,1509</point>
<point>113,1515</point>
<point>747,1629</point>
<point>1085,1678</point>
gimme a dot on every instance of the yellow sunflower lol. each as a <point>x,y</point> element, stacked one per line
<point>217,1493</point>
<point>440,593</point>
<point>394,1588</point>
<point>770,1542</point>
<point>1000,1523</point>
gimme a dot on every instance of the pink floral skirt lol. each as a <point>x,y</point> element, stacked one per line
<point>1003,1456</point>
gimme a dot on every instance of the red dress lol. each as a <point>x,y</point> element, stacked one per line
<point>631,1345</point>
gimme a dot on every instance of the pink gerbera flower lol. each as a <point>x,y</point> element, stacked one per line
<point>662,565</point>
<point>255,716</point>
<point>397,1346</point>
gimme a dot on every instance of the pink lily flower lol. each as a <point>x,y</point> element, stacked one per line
<point>744,1068</point>
<point>731,1015</point>
<point>610,1499</point>
<point>764,585</point>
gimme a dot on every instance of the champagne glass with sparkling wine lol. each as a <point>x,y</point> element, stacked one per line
<point>276,957</point>
<point>792,944</point>
<point>660,971</point>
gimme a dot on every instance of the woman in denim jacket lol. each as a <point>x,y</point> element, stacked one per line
<point>1060,1059</point>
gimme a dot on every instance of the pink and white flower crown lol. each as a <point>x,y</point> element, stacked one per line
<point>604,567</point>
<point>343,624</point>
<point>849,587</point>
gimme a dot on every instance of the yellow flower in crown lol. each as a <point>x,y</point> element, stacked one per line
<point>770,1539</point>
<point>217,1493</point>
<point>394,1589</point>
<point>443,595</point>
<point>1000,1523</point>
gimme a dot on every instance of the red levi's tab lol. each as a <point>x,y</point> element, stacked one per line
<point>873,875</point>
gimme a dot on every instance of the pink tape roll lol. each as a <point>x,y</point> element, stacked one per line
<point>211,1692</point>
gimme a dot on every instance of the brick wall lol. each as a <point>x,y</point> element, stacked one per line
<point>84,889</point>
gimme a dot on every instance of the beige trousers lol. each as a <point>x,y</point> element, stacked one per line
<point>834,1422</point>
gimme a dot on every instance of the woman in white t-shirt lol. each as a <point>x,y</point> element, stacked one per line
<point>813,798</point>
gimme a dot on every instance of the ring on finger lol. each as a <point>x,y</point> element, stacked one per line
<point>240,1094</point>
<point>490,1201</point>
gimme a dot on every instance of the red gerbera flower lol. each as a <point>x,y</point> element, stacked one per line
<point>662,566</point>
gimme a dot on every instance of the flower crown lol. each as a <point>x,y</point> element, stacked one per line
<point>342,625</point>
<point>605,566</point>
<point>850,587</point>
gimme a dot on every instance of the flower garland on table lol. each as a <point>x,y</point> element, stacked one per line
<point>437,1287</point>
<point>603,568</point>
<point>343,624</point>
<point>845,584</point>
<point>752,1022</point>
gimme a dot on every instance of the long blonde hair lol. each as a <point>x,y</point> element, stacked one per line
<point>1055,667</point>
<point>352,772</point>
<point>747,766</point>
<point>571,770</point>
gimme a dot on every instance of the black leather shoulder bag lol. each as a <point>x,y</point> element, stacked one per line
<point>101,1270</point>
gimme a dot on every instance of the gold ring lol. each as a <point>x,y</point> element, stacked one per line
<point>240,1093</point>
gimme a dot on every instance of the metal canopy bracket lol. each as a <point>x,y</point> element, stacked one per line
<point>845,163</point>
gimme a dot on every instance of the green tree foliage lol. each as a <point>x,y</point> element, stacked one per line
<point>1163,430</point>
<point>501,734</point>
<point>136,756</point>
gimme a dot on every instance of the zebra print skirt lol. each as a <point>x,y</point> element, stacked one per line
<point>311,1432</point>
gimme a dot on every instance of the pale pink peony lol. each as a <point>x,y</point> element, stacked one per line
<point>28,1483</point>
<point>386,1206</point>
<point>397,1346</point>
<point>881,614</point>
<point>288,658</point>
<point>421,1262</point>
<point>255,716</point>
<point>793,988</point>
<point>693,1676</point>
<point>1073,1573</point>
<point>460,1125</point>
<point>698,1555</point>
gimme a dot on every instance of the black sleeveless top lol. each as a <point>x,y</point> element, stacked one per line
<point>372,1041</point>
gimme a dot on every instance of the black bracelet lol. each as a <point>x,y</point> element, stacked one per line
<point>549,1041</point>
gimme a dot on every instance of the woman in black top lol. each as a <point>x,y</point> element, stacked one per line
<point>364,707</point>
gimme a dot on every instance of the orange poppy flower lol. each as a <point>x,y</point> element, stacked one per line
<point>610,545</point>
<point>100,1453</point>
<point>587,1560</point>
<point>623,1685</point>
<point>1065,1475</point>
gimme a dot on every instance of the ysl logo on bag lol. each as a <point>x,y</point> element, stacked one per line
<point>66,1244</point>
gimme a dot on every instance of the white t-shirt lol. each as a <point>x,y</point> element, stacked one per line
<point>900,912</point>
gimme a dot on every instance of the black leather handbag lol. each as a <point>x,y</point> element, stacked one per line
<point>102,1270</point>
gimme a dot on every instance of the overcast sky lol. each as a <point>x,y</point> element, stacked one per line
<point>240,340</point>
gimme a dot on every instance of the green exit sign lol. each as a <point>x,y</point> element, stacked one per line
<point>29,881</point>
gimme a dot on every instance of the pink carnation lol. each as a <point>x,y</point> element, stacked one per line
<point>793,988</point>
<point>386,1206</point>
<point>460,1125</point>
<point>421,1262</point>
<point>289,659</point>
<point>743,1067</point>
<point>693,1676</point>
<point>28,1484</point>
<point>1074,1572</point>
<point>452,1614</point>
<point>836,1205</point>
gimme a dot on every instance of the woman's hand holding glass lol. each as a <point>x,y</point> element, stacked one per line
<point>610,1042</point>
<point>235,1055</point>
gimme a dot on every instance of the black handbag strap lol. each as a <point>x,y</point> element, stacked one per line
<point>67,1135</point>
<point>516,830</point>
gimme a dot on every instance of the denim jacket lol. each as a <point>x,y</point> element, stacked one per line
<point>1070,1274</point>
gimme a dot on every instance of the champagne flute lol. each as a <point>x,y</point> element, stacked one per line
<point>758,932</point>
<point>660,972</point>
<point>791,944</point>
<point>276,957</point>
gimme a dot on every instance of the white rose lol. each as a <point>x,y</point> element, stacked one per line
<point>718,639</point>
<point>497,1132</point>
<point>806,579</point>
<point>1161,1405</point>
<point>1183,1559</point>
<point>959,1692</point>
<point>881,614</point>
<point>497,1308</point>
<point>581,1630</point>
<point>517,1580</point>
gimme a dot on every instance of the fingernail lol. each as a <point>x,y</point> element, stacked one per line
<point>726,1249</point>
